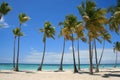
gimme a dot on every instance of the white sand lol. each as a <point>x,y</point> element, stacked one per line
<point>104,74</point>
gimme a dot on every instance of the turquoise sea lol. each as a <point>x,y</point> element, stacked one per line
<point>8,66</point>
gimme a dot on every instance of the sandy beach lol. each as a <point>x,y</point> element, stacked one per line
<point>104,74</point>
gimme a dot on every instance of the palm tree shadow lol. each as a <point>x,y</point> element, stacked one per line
<point>6,72</point>
<point>111,75</point>
<point>59,71</point>
<point>27,71</point>
<point>89,73</point>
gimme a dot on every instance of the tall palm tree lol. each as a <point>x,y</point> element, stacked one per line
<point>116,50</point>
<point>16,32</point>
<point>4,9</point>
<point>22,19</point>
<point>94,20</point>
<point>68,31</point>
<point>61,34</point>
<point>79,30</point>
<point>106,37</point>
<point>49,32</point>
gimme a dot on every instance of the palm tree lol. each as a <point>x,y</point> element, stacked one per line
<point>80,36</point>
<point>4,9</point>
<point>94,20</point>
<point>49,32</point>
<point>106,37</point>
<point>96,59</point>
<point>61,61</point>
<point>68,31</point>
<point>22,19</point>
<point>114,21</point>
<point>116,50</point>
<point>16,33</point>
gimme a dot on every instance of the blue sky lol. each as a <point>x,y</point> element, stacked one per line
<point>31,46</point>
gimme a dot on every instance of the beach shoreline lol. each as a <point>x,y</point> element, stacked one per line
<point>104,74</point>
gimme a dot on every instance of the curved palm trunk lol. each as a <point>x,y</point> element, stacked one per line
<point>102,53</point>
<point>40,67</point>
<point>61,67</point>
<point>18,52</point>
<point>78,56</point>
<point>90,57</point>
<point>115,61</point>
<point>14,53</point>
<point>75,69</point>
<point>97,69</point>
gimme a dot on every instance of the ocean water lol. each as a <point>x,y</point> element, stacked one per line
<point>9,66</point>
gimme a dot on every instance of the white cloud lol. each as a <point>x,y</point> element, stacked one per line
<point>3,24</point>
<point>54,58</point>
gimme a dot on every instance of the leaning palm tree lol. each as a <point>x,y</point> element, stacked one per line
<point>49,32</point>
<point>61,61</point>
<point>4,9</point>
<point>16,32</point>
<point>22,19</point>
<point>94,20</point>
<point>106,37</point>
<point>68,31</point>
<point>116,50</point>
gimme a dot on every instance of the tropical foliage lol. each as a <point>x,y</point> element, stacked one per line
<point>114,21</point>
<point>22,19</point>
<point>4,9</point>
<point>16,33</point>
<point>48,32</point>
<point>92,24</point>
<point>94,20</point>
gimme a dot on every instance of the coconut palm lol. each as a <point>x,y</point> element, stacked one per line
<point>16,32</point>
<point>22,19</point>
<point>80,36</point>
<point>68,31</point>
<point>106,37</point>
<point>94,20</point>
<point>116,50</point>
<point>61,34</point>
<point>114,21</point>
<point>49,32</point>
<point>4,9</point>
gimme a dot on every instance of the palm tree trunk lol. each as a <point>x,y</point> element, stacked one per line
<point>78,56</point>
<point>18,52</point>
<point>92,48</point>
<point>115,61</point>
<point>90,57</point>
<point>97,69</point>
<point>40,67</point>
<point>75,69</point>
<point>14,53</point>
<point>0,16</point>
<point>102,53</point>
<point>61,67</point>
